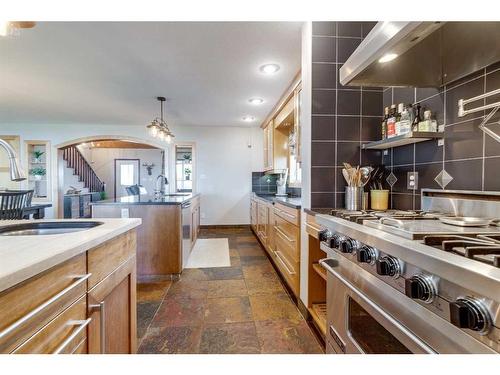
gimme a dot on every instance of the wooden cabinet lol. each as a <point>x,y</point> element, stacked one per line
<point>278,229</point>
<point>86,304</point>
<point>263,221</point>
<point>253,214</point>
<point>112,308</point>
<point>195,219</point>
<point>268,146</point>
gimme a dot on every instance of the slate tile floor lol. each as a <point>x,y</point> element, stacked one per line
<point>239,309</point>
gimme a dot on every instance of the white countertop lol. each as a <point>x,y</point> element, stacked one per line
<point>22,257</point>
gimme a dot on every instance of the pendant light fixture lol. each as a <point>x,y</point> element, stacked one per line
<point>158,127</point>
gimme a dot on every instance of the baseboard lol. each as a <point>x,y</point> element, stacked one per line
<point>226,226</point>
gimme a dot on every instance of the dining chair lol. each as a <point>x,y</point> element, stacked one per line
<point>12,203</point>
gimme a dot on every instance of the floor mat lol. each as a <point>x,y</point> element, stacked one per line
<point>210,252</point>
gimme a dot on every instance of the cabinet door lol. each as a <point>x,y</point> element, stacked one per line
<point>112,307</point>
<point>253,215</point>
<point>268,146</point>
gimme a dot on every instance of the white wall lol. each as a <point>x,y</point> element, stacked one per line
<point>305,148</point>
<point>102,160</point>
<point>224,162</point>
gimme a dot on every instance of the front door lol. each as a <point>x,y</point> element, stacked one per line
<point>126,174</point>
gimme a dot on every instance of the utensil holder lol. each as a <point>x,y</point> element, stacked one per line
<point>353,198</point>
<point>379,199</point>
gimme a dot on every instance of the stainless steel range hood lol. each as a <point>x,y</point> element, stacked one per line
<point>429,54</point>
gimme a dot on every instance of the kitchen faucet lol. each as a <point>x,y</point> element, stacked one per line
<point>163,182</point>
<point>16,172</point>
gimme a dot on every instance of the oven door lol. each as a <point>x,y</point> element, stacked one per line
<point>358,325</point>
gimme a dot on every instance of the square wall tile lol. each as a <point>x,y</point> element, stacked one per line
<point>323,154</point>
<point>348,152</point>
<point>352,29</point>
<point>324,28</point>
<point>346,47</point>
<point>371,129</point>
<point>348,128</point>
<point>323,128</point>
<point>348,102</point>
<point>404,95</point>
<point>323,102</point>
<point>324,49</point>
<point>323,179</point>
<point>372,103</point>
<point>491,179</point>
<point>463,141</point>
<point>467,174</point>
<point>322,200</point>
<point>324,76</point>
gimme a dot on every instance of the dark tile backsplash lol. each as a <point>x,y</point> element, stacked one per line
<point>342,116</point>
<point>266,184</point>
<point>471,157</point>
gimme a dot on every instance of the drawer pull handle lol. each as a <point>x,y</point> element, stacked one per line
<point>281,212</point>
<point>18,323</point>
<point>101,307</point>
<point>282,234</point>
<point>283,262</point>
<point>81,325</point>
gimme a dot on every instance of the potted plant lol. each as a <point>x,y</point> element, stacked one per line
<point>187,157</point>
<point>38,173</point>
<point>37,156</point>
<point>187,172</point>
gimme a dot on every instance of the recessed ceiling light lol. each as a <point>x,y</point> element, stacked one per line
<point>248,118</point>
<point>387,57</point>
<point>269,68</point>
<point>256,101</point>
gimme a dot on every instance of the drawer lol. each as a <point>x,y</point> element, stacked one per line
<point>291,215</point>
<point>290,249</point>
<point>29,306</point>
<point>107,257</point>
<point>313,228</point>
<point>287,232</point>
<point>62,335</point>
<point>82,347</point>
<point>290,270</point>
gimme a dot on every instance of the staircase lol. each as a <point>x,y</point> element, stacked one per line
<point>82,169</point>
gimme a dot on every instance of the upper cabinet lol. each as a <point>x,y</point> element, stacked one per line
<point>268,146</point>
<point>282,136</point>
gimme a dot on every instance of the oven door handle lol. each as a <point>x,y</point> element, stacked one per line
<point>329,267</point>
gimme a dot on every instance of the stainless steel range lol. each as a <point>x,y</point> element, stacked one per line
<point>415,282</point>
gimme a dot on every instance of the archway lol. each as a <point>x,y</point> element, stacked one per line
<point>99,141</point>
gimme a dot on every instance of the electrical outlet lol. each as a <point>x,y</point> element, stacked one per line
<point>386,152</point>
<point>125,213</point>
<point>441,142</point>
<point>202,215</point>
<point>412,181</point>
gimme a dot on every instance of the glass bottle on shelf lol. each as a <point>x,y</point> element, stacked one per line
<point>391,122</point>
<point>398,118</point>
<point>417,117</point>
<point>384,123</point>
<point>405,121</point>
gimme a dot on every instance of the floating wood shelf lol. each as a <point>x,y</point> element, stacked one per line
<point>318,313</point>
<point>319,270</point>
<point>401,140</point>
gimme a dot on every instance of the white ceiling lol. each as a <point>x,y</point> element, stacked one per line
<point>111,72</point>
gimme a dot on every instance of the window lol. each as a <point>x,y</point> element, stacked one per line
<point>126,174</point>
<point>184,168</point>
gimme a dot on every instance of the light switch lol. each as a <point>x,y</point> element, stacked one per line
<point>125,213</point>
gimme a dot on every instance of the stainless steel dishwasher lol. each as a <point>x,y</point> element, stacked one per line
<point>186,232</point>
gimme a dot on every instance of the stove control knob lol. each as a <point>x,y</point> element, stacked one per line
<point>470,313</point>
<point>367,254</point>
<point>324,235</point>
<point>334,241</point>
<point>349,245</point>
<point>388,266</point>
<point>421,287</point>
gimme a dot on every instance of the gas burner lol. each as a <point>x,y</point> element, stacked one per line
<point>483,248</point>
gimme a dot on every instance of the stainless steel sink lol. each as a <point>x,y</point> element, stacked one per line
<point>46,228</point>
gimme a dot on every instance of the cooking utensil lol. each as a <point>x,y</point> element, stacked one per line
<point>346,176</point>
<point>466,221</point>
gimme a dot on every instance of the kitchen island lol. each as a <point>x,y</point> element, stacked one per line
<point>169,231</point>
<point>70,292</point>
